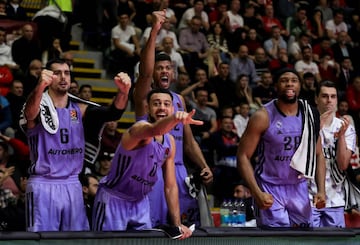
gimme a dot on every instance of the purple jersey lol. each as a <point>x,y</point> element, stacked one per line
<point>178,130</point>
<point>277,146</point>
<point>60,155</point>
<point>133,173</point>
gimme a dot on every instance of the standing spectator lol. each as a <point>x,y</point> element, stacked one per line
<point>144,148</point>
<point>26,48</point>
<point>338,140</point>
<point>58,148</point>
<point>242,64</point>
<point>157,71</point>
<point>275,177</point>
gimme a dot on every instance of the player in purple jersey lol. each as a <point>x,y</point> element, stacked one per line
<point>121,202</point>
<point>161,72</point>
<point>278,183</point>
<point>54,126</point>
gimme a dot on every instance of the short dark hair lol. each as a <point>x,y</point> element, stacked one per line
<point>278,74</point>
<point>84,179</point>
<point>158,91</point>
<point>55,61</point>
<point>162,57</point>
<point>325,83</point>
<point>84,86</point>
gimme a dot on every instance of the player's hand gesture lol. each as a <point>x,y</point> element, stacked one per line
<point>158,18</point>
<point>46,77</point>
<point>264,200</point>
<point>186,118</point>
<point>123,82</point>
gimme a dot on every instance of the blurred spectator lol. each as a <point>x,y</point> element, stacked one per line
<point>274,43</point>
<point>125,47</point>
<point>295,47</point>
<point>321,49</point>
<point>5,117</point>
<point>242,64</point>
<point>353,97</point>
<point>26,48</point>
<point>85,92</point>
<point>281,62</point>
<point>261,61</point>
<point>217,39</point>
<point>307,65</point>
<point>166,31</point>
<point>317,26</point>
<point>223,86</point>
<point>223,146</point>
<point>336,25</point>
<point>253,42</point>
<point>264,92</point>
<point>90,185</point>
<point>244,92</point>
<point>74,88</point>
<point>308,89</point>
<point>54,51</point>
<point>5,52</point>
<point>176,58</point>
<point>326,11</point>
<point>241,191</point>
<point>16,99</point>
<point>15,11</point>
<point>343,48</point>
<point>234,20</point>
<point>103,164</point>
<point>269,21</point>
<point>241,119</point>
<point>31,76</point>
<point>110,137</point>
<point>343,109</point>
<point>284,9</point>
<point>3,9</point>
<point>252,20</point>
<point>196,10</point>
<point>346,75</point>
<point>218,15</point>
<point>128,7</point>
<point>328,69</point>
<point>181,83</point>
<point>193,45</point>
<point>170,14</point>
<point>298,23</point>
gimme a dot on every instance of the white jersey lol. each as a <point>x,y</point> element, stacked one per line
<point>334,192</point>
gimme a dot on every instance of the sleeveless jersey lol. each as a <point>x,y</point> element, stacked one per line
<point>133,173</point>
<point>60,155</point>
<point>277,146</point>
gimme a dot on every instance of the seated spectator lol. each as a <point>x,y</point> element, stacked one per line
<point>54,51</point>
<point>15,11</point>
<point>3,10</point>
<point>244,93</point>
<point>74,88</point>
<point>343,109</point>
<point>90,185</point>
<point>328,69</point>
<point>5,53</point>
<point>307,65</point>
<point>217,39</point>
<point>180,84</point>
<point>125,47</point>
<point>298,23</point>
<point>241,191</point>
<point>241,118</point>
<point>281,62</point>
<point>196,10</point>
<point>261,61</point>
<point>85,92</point>
<point>252,20</point>
<point>5,117</point>
<point>275,42</point>
<point>253,42</point>
<point>327,12</point>
<point>353,97</point>
<point>264,92</point>
<point>322,48</point>
<point>103,164</point>
<point>193,45</point>
<point>343,48</point>
<point>346,75</point>
<point>242,64</point>
<point>269,21</point>
<point>295,47</point>
<point>234,20</point>
<point>223,145</point>
<point>218,15</point>
<point>336,25</point>
<point>110,137</point>
<point>308,89</point>
<point>317,26</point>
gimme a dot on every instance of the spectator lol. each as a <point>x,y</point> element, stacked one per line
<point>336,25</point>
<point>54,51</point>
<point>308,88</point>
<point>264,92</point>
<point>223,145</point>
<point>5,117</point>
<point>244,92</point>
<point>193,45</point>
<point>26,48</point>
<point>5,52</point>
<point>110,137</point>
<point>89,184</point>
<point>269,21</point>
<point>328,69</point>
<point>85,92</point>
<point>281,62</point>
<point>234,20</point>
<point>307,65</point>
<point>342,48</point>
<point>196,10</point>
<point>3,10</point>
<point>218,15</point>
<point>242,64</point>
<point>295,47</point>
<point>241,191</point>
<point>345,76</point>
<point>261,61</point>
<point>32,76</point>
<point>15,11</point>
<point>274,43</point>
<point>74,88</point>
<point>252,20</point>
<point>353,97</point>
<point>253,42</point>
<point>181,83</point>
<point>321,49</point>
<point>217,39</point>
<point>317,26</point>
<point>327,13</point>
<point>103,165</point>
<point>299,23</point>
<point>242,118</point>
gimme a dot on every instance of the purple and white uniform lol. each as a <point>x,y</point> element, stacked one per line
<point>121,201</point>
<point>54,200</point>
<point>333,213</point>
<point>278,144</point>
<point>189,209</point>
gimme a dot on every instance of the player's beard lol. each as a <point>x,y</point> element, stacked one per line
<point>287,100</point>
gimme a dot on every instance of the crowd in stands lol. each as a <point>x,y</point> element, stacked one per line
<point>225,55</point>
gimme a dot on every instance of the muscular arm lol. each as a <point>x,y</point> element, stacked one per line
<point>146,67</point>
<point>258,123</point>
<point>319,198</point>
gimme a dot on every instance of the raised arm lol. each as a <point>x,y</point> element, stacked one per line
<point>32,106</point>
<point>123,83</point>
<point>146,67</point>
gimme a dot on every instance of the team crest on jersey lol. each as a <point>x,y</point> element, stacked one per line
<point>167,150</point>
<point>279,126</point>
<point>73,115</point>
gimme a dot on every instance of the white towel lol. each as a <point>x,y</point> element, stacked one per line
<point>304,159</point>
<point>48,115</point>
